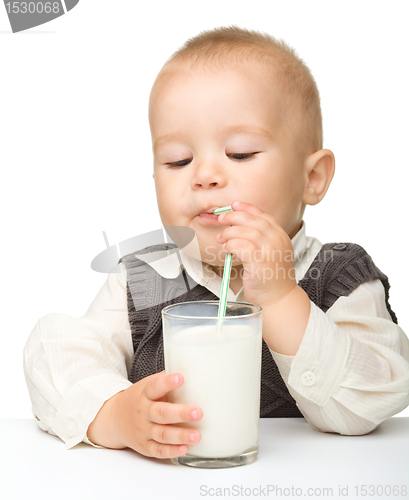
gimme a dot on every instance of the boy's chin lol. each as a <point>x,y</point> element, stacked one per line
<point>213,254</point>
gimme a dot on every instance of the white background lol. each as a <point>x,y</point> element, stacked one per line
<point>75,149</point>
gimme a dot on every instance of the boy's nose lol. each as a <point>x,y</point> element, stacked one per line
<point>208,179</point>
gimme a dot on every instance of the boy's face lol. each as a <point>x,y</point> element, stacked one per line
<point>207,162</point>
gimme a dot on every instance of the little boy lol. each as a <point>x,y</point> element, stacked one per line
<point>235,120</point>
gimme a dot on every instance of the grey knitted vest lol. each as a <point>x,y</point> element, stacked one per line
<point>336,271</point>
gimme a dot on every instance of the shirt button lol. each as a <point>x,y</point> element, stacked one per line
<point>308,378</point>
<point>71,429</point>
<point>339,247</point>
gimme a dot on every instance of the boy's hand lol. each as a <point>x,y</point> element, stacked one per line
<point>264,249</point>
<point>142,418</point>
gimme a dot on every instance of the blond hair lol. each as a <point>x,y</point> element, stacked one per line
<point>235,46</point>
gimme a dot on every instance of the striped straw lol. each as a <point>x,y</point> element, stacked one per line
<point>226,278</point>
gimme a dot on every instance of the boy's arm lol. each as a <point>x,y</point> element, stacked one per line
<point>350,370</point>
<point>73,365</point>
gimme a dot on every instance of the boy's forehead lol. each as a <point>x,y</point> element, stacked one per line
<point>257,76</point>
<point>173,76</point>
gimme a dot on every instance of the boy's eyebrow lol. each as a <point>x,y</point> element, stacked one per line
<point>248,129</point>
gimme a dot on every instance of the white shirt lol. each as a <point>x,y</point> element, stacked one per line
<point>349,374</point>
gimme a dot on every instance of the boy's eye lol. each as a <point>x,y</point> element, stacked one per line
<point>243,156</point>
<point>178,163</point>
<point>236,156</point>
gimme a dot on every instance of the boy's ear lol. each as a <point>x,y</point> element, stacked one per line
<point>319,169</point>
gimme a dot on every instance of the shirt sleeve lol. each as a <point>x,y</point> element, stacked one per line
<point>73,365</point>
<point>351,370</point>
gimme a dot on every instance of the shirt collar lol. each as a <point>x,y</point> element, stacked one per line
<point>169,263</point>
<point>300,243</point>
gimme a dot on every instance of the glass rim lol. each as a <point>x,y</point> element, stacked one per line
<point>165,310</point>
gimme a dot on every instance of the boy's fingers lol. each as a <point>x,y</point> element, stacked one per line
<point>169,434</point>
<point>159,450</point>
<point>172,413</point>
<point>160,384</point>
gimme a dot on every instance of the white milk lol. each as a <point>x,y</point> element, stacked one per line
<point>223,379</point>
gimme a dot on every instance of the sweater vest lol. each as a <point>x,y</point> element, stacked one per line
<point>336,271</point>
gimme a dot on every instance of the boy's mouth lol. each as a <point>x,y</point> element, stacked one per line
<point>208,210</point>
<point>207,217</point>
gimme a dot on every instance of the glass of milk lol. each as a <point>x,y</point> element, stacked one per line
<point>222,375</point>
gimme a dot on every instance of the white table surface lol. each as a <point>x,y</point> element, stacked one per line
<point>292,457</point>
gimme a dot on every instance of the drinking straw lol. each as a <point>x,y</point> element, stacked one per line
<point>226,278</point>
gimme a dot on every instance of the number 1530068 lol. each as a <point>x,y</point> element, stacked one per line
<point>33,7</point>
